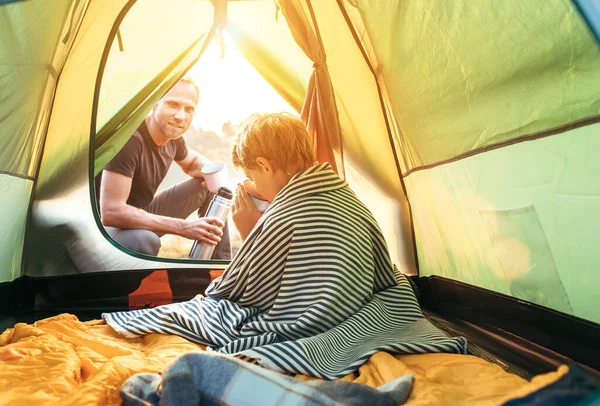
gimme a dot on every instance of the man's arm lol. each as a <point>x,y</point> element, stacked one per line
<point>115,212</point>
<point>192,164</point>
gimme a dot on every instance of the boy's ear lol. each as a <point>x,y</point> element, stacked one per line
<point>264,165</point>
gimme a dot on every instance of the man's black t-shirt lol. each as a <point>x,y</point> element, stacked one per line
<point>146,163</point>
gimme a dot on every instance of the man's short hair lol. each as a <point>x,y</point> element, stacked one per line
<point>278,137</point>
<point>189,81</point>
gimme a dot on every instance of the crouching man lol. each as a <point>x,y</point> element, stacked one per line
<point>131,211</point>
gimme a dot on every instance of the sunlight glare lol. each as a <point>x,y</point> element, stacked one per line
<point>230,89</point>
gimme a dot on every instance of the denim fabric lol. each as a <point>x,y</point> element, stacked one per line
<point>214,379</point>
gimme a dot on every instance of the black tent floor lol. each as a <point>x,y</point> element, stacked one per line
<point>9,320</point>
<point>513,354</point>
<point>522,337</point>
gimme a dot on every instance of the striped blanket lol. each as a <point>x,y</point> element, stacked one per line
<point>312,290</point>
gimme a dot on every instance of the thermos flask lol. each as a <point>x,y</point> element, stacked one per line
<point>219,207</point>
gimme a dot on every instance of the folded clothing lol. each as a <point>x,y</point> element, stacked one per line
<point>213,379</point>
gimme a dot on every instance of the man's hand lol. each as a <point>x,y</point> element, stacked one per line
<point>207,229</point>
<point>245,215</point>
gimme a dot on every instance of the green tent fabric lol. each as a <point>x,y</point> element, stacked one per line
<point>516,225</point>
<point>105,79</point>
<point>463,78</point>
<point>34,43</point>
<point>482,116</point>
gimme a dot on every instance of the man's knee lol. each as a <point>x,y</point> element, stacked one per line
<point>197,189</point>
<point>142,241</point>
<point>148,243</point>
<point>196,195</point>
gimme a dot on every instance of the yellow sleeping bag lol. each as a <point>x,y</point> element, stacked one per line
<point>61,360</point>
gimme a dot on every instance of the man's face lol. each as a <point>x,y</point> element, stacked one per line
<point>174,112</point>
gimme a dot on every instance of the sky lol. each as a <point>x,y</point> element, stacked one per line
<point>230,89</point>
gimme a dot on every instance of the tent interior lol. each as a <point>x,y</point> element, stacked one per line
<point>479,122</point>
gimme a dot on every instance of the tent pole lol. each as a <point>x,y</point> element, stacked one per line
<point>387,126</point>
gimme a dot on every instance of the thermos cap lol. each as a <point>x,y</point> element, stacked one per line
<point>225,193</point>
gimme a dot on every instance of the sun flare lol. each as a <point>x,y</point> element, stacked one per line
<point>230,88</point>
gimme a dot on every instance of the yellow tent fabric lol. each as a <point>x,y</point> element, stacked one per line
<point>64,199</point>
<point>365,139</point>
<point>319,111</point>
<point>92,89</point>
<point>61,360</point>
<point>520,219</point>
<point>470,212</point>
<point>31,61</point>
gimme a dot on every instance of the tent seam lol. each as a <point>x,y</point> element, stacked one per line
<point>388,128</point>
<point>17,175</point>
<point>523,138</point>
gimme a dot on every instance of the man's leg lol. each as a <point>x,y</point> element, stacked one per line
<point>142,241</point>
<point>183,199</point>
<point>180,201</point>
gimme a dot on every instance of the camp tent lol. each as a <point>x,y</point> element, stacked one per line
<point>479,119</point>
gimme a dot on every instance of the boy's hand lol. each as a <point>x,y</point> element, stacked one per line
<point>251,189</point>
<point>245,215</point>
